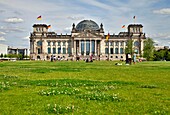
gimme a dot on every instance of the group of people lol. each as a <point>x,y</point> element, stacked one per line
<point>54,58</point>
<point>91,59</point>
<point>130,58</point>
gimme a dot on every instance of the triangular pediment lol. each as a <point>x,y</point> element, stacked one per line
<point>87,35</point>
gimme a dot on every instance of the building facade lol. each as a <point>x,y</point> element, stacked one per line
<point>86,38</point>
<point>17,51</point>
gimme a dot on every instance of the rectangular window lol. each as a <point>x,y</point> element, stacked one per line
<point>64,43</point>
<point>106,51</point>
<point>121,43</point>
<point>116,51</point>
<point>59,50</point>
<point>82,47</point>
<point>111,43</point>
<point>48,43</point>
<point>111,50</point>
<point>54,50</point>
<point>59,43</point>
<point>117,43</point>
<point>49,50</point>
<point>121,51</point>
<point>87,47</point>
<point>64,50</point>
<point>39,50</point>
<point>93,46</point>
<point>69,43</point>
<point>53,43</point>
<point>69,50</point>
<point>106,43</point>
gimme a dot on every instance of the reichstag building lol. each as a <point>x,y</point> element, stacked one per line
<point>87,38</point>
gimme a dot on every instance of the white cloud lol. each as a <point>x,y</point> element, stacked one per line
<point>161,35</point>
<point>2,38</point>
<point>162,11</point>
<point>12,29</point>
<point>67,29</point>
<point>156,41</point>
<point>97,4</point>
<point>14,20</point>
<point>2,33</point>
<point>2,11</point>
<point>75,18</point>
<point>26,38</point>
<point>3,48</point>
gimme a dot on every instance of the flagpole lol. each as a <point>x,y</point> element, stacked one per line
<point>107,41</point>
<point>134,17</point>
<point>108,49</point>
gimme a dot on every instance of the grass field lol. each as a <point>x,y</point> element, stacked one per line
<point>79,88</point>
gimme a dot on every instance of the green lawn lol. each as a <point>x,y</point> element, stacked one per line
<point>101,88</point>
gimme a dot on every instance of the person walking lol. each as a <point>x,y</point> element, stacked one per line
<point>134,58</point>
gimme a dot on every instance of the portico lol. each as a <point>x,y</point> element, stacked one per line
<point>86,47</point>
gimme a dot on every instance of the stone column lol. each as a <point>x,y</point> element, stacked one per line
<point>51,47</point>
<point>43,46</point>
<point>84,47</point>
<point>75,47</point>
<point>72,47</point>
<point>34,51</point>
<point>119,48</point>
<point>109,47</point>
<point>124,46</point>
<point>141,46</point>
<point>79,46</point>
<point>90,47</point>
<point>27,52</point>
<point>66,47</point>
<point>113,47</point>
<point>61,45</point>
<point>24,52</point>
<point>99,48</point>
<point>95,49</point>
<point>31,47</point>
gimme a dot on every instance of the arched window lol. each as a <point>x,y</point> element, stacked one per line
<point>136,43</point>
<point>39,43</point>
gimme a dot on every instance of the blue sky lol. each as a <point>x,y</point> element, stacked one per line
<point>18,16</point>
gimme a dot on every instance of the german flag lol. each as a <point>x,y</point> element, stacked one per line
<point>108,36</point>
<point>123,26</point>
<point>49,26</point>
<point>39,18</point>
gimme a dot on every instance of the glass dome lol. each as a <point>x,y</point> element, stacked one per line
<point>87,25</point>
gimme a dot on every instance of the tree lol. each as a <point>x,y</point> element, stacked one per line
<point>168,56</point>
<point>1,55</point>
<point>148,49</point>
<point>20,56</point>
<point>129,48</point>
<point>5,55</point>
<point>162,54</point>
